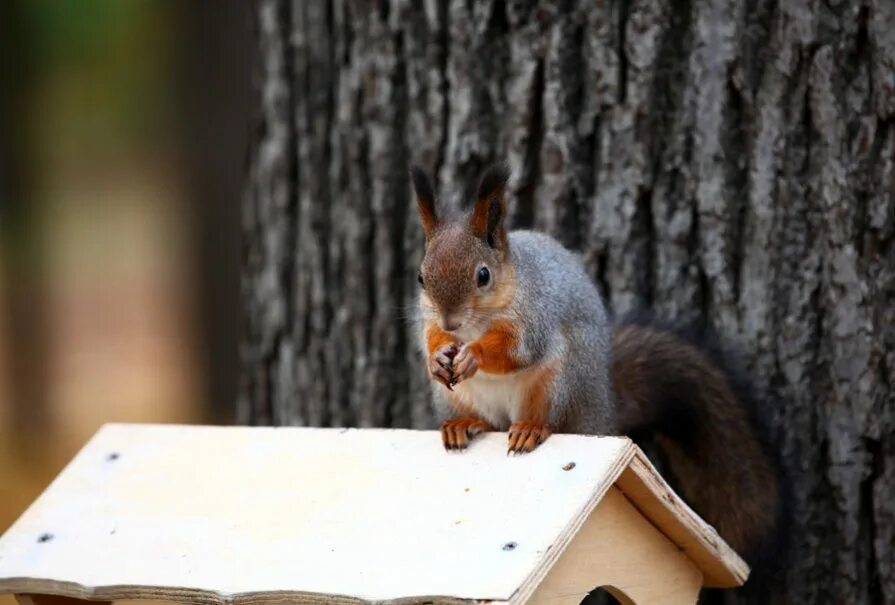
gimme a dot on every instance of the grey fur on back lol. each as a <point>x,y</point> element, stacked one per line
<point>558,305</point>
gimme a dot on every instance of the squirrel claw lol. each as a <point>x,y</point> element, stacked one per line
<point>440,366</point>
<point>465,364</point>
<point>524,437</point>
<point>456,433</point>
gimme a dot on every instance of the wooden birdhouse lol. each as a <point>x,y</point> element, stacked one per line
<point>261,516</point>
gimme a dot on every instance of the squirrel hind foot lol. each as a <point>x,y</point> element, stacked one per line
<point>524,437</point>
<point>456,433</point>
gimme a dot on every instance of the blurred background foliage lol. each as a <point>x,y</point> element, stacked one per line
<point>123,126</point>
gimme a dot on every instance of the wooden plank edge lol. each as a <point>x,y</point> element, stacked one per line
<point>622,462</point>
<point>44,599</point>
<point>193,596</point>
<point>721,566</point>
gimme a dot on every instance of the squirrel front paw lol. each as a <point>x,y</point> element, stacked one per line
<point>526,436</point>
<point>465,365</point>
<point>456,433</point>
<point>441,365</point>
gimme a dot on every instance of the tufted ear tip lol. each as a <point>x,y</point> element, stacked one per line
<point>425,198</point>
<point>494,179</point>
<point>489,211</point>
<point>422,184</point>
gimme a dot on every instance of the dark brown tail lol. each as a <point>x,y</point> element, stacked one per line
<point>679,392</point>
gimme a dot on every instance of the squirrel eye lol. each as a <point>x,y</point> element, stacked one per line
<point>483,277</point>
<point>419,277</point>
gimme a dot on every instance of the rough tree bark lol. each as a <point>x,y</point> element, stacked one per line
<point>716,158</point>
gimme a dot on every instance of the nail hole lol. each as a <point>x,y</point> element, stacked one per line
<point>113,456</point>
<point>569,466</point>
<point>510,546</point>
<point>44,538</point>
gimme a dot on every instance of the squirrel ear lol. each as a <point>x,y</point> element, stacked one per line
<point>425,199</point>
<point>490,207</point>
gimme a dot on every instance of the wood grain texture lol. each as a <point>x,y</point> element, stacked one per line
<point>643,567</point>
<point>264,515</point>
<point>733,161</point>
<point>648,492</point>
<point>43,599</point>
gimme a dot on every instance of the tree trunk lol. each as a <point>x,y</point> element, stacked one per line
<point>715,158</point>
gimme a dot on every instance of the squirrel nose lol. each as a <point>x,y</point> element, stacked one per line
<point>451,323</point>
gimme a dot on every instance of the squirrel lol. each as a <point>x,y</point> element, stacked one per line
<point>517,339</point>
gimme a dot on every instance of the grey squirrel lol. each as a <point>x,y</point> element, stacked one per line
<point>518,339</point>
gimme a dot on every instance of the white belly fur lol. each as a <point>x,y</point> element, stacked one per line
<point>497,398</point>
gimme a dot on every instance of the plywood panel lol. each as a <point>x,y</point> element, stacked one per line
<point>619,549</point>
<point>275,515</point>
<point>720,565</point>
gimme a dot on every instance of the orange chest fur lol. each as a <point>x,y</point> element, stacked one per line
<point>493,350</point>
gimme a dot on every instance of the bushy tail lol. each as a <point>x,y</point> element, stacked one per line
<point>679,392</point>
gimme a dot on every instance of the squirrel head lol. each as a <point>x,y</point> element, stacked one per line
<point>466,277</point>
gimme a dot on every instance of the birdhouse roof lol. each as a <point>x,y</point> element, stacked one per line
<point>252,515</point>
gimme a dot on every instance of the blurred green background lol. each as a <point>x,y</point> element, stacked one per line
<point>123,130</point>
